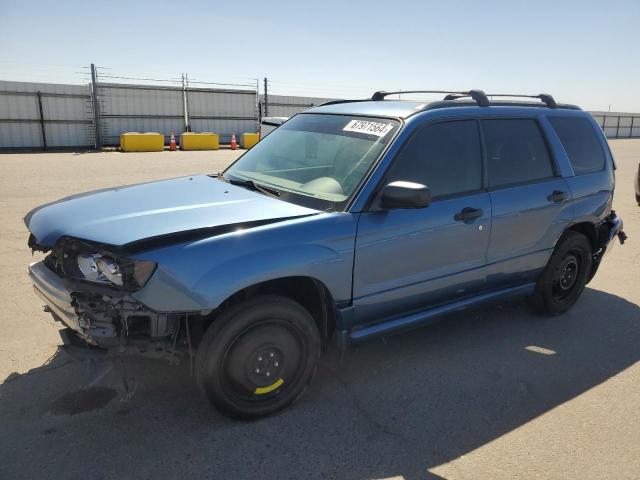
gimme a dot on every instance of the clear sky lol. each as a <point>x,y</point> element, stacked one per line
<point>584,52</point>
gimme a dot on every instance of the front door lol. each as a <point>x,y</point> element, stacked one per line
<point>410,259</point>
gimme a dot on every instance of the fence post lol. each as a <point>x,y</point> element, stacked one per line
<point>631,129</point>
<point>618,128</point>
<point>258,119</point>
<point>42,127</point>
<point>185,102</point>
<point>96,108</point>
<point>266,98</point>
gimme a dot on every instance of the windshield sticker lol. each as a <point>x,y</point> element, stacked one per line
<point>369,128</point>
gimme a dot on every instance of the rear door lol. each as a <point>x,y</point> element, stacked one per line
<point>530,201</point>
<point>410,259</point>
<point>592,183</point>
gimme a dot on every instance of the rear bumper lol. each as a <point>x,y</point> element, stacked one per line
<point>609,233</point>
<point>612,229</point>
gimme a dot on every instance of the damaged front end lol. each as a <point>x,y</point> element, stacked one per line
<point>88,288</point>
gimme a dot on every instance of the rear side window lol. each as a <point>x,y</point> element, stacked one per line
<point>516,152</point>
<point>446,157</point>
<point>579,140</point>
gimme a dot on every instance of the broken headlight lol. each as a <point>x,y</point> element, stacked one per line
<point>110,269</point>
<point>102,268</point>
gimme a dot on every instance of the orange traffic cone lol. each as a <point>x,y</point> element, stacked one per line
<point>172,143</point>
<point>234,144</point>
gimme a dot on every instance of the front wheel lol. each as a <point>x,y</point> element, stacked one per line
<point>258,357</point>
<point>565,275</point>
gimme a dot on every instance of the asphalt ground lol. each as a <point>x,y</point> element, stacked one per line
<point>497,392</point>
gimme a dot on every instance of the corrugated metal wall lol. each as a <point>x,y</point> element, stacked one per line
<point>287,106</point>
<point>223,111</point>
<point>139,108</point>
<point>618,125</point>
<point>146,108</point>
<point>68,119</point>
<point>66,115</point>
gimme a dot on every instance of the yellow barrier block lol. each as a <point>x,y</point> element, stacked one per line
<point>142,142</point>
<point>199,141</point>
<point>248,140</point>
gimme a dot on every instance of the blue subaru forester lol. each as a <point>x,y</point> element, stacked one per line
<point>351,220</point>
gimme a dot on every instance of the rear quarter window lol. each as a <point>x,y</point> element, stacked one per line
<point>581,143</point>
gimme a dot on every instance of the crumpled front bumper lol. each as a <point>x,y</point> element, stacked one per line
<point>59,301</point>
<point>103,316</point>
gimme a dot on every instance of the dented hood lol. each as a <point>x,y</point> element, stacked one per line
<point>120,216</point>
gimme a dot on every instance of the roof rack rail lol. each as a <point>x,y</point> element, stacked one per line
<point>547,99</point>
<point>336,102</point>
<point>478,95</point>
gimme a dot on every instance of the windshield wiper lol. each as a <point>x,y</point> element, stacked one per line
<point>241,182</point>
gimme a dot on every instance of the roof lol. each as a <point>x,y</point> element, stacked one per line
<point>406,108</point>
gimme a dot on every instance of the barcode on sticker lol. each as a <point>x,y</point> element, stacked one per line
<point>370,128</point>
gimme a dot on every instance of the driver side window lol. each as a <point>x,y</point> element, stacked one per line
<point>446,157</point>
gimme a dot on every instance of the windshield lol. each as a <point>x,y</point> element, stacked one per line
<point>322,157</point>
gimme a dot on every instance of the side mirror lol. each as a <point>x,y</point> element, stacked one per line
<point>401,194</point>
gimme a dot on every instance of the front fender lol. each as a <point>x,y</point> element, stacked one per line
<point>199,276</point>
<point>319,262</point>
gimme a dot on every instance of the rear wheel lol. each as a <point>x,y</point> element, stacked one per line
<point>565,275</point>
<point>258,357</point>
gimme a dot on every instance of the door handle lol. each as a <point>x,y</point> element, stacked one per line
<point>557,196</point>
<point>468,213</point>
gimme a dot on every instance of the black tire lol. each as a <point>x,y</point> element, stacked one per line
<point>565,275</point>
<point>258,357</point>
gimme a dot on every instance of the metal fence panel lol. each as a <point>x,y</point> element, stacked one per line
<point>224,128</point>
<point>139,100</point>
<point>19,107</point>
<point>610,132</point>
<point>20,135</point>
<point>68,119</point>
<point>66,115</point>
<point>227,103</point>
<point>625,121</point>
<point>223,111</point>
<point>65,135</point>
<point>611,121</point>
<point>139,108</point>
<point>287,105</point>
<point>618,124</point>
<point>145,108</point>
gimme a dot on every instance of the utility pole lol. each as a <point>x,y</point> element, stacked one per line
<point>95,103</point>
<point>258,113</point>
<point>185,102</point>
<point>266,97</point>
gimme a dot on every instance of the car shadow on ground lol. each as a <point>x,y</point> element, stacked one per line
<point>396,407</point>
